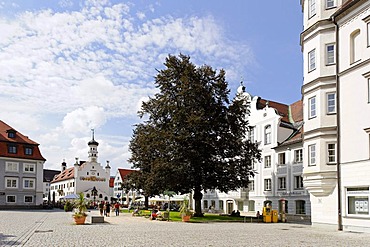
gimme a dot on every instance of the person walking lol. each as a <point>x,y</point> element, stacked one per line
<point>107,209</point>
<point>116,208</point>
<point>101,208</point>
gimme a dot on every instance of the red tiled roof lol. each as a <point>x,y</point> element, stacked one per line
<point>21,141</point>
<point>65,175</point>
<point>124,172</point>
<point>282,109</point>
<point>296,111</point>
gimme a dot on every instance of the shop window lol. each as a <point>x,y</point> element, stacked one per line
<point>358,201</point>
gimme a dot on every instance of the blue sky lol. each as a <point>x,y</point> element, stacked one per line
<point>69,66</point>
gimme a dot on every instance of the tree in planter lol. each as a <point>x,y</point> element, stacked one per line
<point>194,137</point>
<point>80,206</point>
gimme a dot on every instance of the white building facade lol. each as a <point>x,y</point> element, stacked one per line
<point>278,177</point>
<point>83,177</point>
<point>336,94</point>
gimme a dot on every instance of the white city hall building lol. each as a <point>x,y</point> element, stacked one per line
<point>83,177</point>
<point>336,98</point>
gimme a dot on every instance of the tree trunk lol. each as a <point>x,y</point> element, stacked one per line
<point>146,202</point>
<point>198,202</point>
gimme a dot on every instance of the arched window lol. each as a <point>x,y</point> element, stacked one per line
<point>355,46</point>
<point>268,134</point>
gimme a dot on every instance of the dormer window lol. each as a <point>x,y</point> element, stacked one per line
<point>11,134</point>
<point>12,149</point>
<point>28,151</point>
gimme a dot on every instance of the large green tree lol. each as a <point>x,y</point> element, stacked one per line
<point>193,138</point>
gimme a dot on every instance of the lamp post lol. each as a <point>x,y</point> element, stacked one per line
<point>94,192</point>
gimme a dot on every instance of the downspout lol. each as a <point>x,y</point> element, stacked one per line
<point>339,181</point>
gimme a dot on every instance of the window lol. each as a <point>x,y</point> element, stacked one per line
<point>312,107</point>
<point>298,156</point>
<point>221,205</point>
<point>267,161</point>
<point>205,204</point>
<point>251,185</point>
<point>355,46</point>
<point>28,151</point>
<point>331,153</point>
<point>368,90</point>
<point>12,149</point>
<point>11,167</point>
<point>251,134</point>
<point>298,182</point>
<point>358,200</point>
<point>11,199</point>
<point>28,199</point>
<point>331,103</point>
<point>11,183</point>
<point>368,34</point>
<point>29,168</point>
<point>240,206</point>
<point>311,60</point>
<point>282,183</point>
<point>311,8</point>
<point>330,58</point>
<point>11,134</point>
<point>282,159</point>
<point>330,4</point>
<point>312,155</point>
<point>300,207</point>
<point>267,184</point>
<point>267,134</point>
<point>251,206</point>
<point>28,183</point>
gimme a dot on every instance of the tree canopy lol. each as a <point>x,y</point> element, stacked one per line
<point>193,138</point>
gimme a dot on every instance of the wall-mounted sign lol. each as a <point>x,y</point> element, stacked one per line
<point>93,178</point>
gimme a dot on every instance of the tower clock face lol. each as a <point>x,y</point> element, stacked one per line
<point>93,173</point>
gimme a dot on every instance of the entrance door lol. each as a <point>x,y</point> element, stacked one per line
<point>230,207</point>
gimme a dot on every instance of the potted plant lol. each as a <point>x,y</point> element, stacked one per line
<point>80,209</point>
<point>68,206</point>
<point>185,211</point>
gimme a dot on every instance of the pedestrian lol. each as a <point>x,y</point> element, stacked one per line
<point>101,208</point>
<point>107,209</point>
<point>116,208</point>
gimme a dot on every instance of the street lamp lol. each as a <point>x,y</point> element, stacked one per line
<point>94,192</point>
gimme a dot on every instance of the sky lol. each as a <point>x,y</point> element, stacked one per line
<point>67,67</point>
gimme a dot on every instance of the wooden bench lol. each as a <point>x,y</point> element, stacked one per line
<point>97,219</point>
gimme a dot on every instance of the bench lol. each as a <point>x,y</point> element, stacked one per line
<point>97,219</point>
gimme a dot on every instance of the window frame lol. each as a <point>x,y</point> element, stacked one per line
<point>28,197</point>
<point>267,164</point>
<point>267,184</point>
<point>331,152</point>
<point>328,105</point>
<point>31,181</point>
<point>298,182</point>
<point>12,149</point>
<point>300,207</point>
<point>282,159</point>
<point>268,131</point>
<point>7,164</point>
<point>251,185</point>
<point>360,193</point>
<point>311,8</point>
<point>11,179</point>
<point>312,158</point>
<point>354,46</point>
<point>329,54</point>
<point>281,183</point>
<point>311,60</point>
<point>312,110</point>
<point>300,156</point>
<point>7,198</point>
<point>330,7</point>
<point>28,151</point>
<point>29,165</point>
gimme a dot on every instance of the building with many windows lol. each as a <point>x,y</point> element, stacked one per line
<point>278,177</point>
<point>83,177</point>
<point>21,170</point>
<point>336,97</point>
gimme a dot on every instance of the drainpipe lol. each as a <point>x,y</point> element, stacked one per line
<point>339,182</point>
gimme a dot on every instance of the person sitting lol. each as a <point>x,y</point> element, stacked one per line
<point>136,212</point>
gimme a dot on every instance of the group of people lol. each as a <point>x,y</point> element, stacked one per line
<point>106,207</point>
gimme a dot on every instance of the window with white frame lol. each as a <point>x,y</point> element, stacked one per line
<point>251,205</point>
<point>11,183</point>
<point>28,199</point>
<point>358,201</point>
<point>300,207</point>
<point>298,156</point>
<point>330,58</point>
<point>11,199</point>
<point>251,134</point>
<point>281,158</point>
<point>330,4</point>
<point>30,168</point>
<point>28,183</point>
<point>251,185</point>
<point>267,183</point>
<point>311,8</point>
<point>312,155</point>
<point>330,101</point>
<point>11,166</point>
<point>268,161</point>
<point>312,107</point>
<point>355,46</point>
<point>298,182</point>
<point>331,153</point>
<point>221,204</point>
<point>268,134</point>
<point>281,183</point>
<point>312,60</point>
